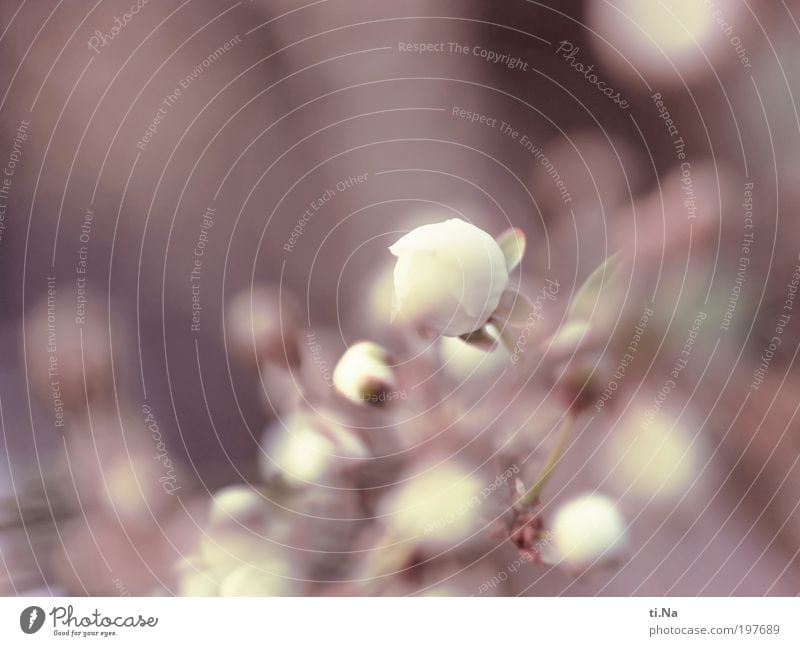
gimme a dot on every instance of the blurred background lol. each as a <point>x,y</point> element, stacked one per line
<point>163,160</point>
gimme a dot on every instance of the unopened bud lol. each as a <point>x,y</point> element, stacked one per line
<point>439,506</point>
<point>308,449</point>
<point>470,276</point>
<point>364,376</point>
<point>586,531</point>
<point>237,505</point>
<point>655,457</point>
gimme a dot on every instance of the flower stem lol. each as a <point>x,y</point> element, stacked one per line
<point>564,432</point>
<point>507,341</point>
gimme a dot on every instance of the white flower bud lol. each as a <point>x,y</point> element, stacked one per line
<point>439,505</point>
<point>585,531</point>
<point>308,449</point>
<point>363,374</point>
<point>233,564</point>
<point>449,277</point>
<point>654,457</point>
<point>237,505</point>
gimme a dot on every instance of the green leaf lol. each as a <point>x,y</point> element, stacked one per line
<point>603,284</point>
<point>570,336</point>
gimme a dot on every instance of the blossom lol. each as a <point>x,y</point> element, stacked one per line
<point>586,530</point>
<point>233,562</point>
<point>363,374</point>
<point>655,458</point>
<point>449,277</point>
<point>438,506</point>
<point>238,505</point>
<point>308,449</point>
